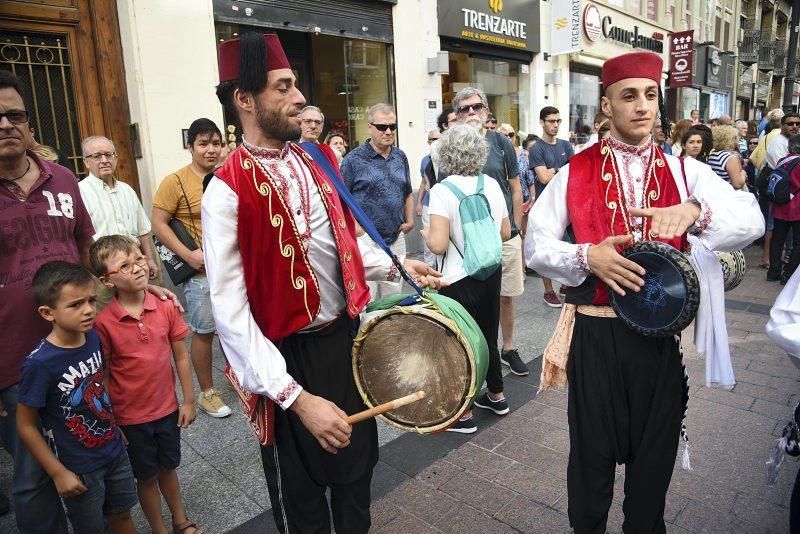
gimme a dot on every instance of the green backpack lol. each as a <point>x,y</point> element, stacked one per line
<point>483,250</point>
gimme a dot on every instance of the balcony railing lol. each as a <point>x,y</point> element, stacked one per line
<point>762,89</point>
<point>766,54</point>
<point>750,46</point>
<point>780,59</point>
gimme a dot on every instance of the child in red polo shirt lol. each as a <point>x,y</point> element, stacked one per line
<point>138,332</point>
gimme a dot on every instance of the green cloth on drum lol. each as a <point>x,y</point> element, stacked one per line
<point>455,312</point>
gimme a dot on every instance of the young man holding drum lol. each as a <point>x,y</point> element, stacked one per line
<point>627,392</point>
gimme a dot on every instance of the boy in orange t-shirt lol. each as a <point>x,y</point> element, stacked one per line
<point>138,332</point>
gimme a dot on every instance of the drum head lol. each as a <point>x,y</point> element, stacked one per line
<point>668,301</point>
<point>402,353</point>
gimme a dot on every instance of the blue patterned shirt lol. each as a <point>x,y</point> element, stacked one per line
<point>380,185</point>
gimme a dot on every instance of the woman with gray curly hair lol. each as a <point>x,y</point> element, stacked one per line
<point>462,155</point>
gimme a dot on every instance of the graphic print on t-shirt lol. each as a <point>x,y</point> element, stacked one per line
<point>86,406</point>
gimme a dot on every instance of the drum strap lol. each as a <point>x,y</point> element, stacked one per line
<point>556,354</point>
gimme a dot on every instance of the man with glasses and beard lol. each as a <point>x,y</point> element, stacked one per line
<point>378,175</point>
<point>288,281</point>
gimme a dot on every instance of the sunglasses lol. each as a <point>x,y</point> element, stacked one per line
<point>15,116</point>
<point>792,123</point>
<point>466,108</point>
<point>383,127</point>
<point>510,135</point>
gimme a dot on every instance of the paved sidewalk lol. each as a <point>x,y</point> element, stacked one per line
<point>512,476</point>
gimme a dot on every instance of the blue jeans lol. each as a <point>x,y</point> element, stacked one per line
<point>109,490</point>
<point>36,502</point>
<point>198,305</point>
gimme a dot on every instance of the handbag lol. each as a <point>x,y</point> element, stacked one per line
<point>178,270</point>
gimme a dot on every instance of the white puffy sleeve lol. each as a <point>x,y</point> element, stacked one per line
<point>784,323</point>
<point>377,264</point>
<point>545,252</point>
<point>257,363</point>
<point>729,219</point>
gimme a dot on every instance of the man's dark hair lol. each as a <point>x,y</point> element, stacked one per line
<point>9,79</point>
<point>51,277</point>
<point>794,144</point>
<point>548,110</point>
<point>441,120</point>
<point>789,116</point>
<point>202,127</point>
<point>529,138</point>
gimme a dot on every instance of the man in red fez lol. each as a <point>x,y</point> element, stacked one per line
<point>287,284</point>
<point>627,392</point>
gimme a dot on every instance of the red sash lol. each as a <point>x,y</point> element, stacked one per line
<point>596,202</point>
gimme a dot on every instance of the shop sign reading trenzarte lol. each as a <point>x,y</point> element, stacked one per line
<point>506,23</point>
<point>594,26</point>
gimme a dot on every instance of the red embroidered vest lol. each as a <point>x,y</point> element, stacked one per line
<point>281,285</point>
<point>593,199</point>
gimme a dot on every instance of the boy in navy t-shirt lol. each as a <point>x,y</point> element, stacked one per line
<point>62,388</point>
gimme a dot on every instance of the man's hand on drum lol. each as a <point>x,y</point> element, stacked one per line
<point>424,274</point>
<point>614,269</point>
<point>324,420</point>
<point>666,223</point>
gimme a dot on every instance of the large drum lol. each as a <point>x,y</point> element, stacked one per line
<point>669,300</point>
<point>434,346</point>
<point>734,266</point>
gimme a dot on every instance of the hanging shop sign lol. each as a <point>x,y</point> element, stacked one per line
<point>504,23</point>
<point>681,56</point>
<point>565,28</point>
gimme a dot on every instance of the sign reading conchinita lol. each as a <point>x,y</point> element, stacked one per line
<point>681,56</point>
<point>504,23</point>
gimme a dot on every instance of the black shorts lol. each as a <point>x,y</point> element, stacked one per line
<point>154,446</point>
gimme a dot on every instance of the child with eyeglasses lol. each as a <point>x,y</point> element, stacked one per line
<point>138,334</point>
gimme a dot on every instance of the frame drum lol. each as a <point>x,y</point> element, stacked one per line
<point>434,346</point>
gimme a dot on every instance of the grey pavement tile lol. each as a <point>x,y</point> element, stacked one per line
<point>729,398</point>
<point>673,506</point>
<point>405,523</point>
<point>479,461</point>
<point>464,518</point>
<point>490,439</point>
<point>553,397</point>
<point>385,478</point>
<point>554,416</point>
<point>697,517</point>
<point>422,501</point>
<point>711,413</point>
<point>382,511</point>
<point>674,529</point>
<point>386,432</point>
<point>439,473</point>
<point>240,462</point>
<point>537,456</point>
<point>753,377</point>
<point>208,435</point>
<point>615,519</point>
<point>533,484</point>
<point>772,409</point>
<point>529,516</point>
<point>214,502</point>
<point>780,367</point>
<point>531,409</point>
<point>771,516</point>
<point>699,489</point>
<point>556,439</point>
<point>478,492</point>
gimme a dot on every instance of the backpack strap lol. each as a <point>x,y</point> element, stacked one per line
<point>479,189</point>
<point>456,191</point>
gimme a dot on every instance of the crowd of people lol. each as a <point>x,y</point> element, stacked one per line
<point>268,256</point>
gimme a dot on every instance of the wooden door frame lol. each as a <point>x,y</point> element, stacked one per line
<point>101,98</point>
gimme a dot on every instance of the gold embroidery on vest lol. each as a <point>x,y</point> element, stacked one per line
<point>610,204</point>
<point>276,219</point>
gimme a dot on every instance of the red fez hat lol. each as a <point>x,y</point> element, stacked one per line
<point>634,65</point>
<point>229,57</point>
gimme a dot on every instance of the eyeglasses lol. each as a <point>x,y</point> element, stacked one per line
<point>15,116</point>
<point>466,108</point>
<point>792,123</point>
<point>383,127</point>
<point>553,121</point>
<point>752,143</point>
<point>432,139</point>
<point>97,156</point>
<point>312,121</point>
<point>127,268</point>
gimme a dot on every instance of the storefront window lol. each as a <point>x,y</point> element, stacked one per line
<point>584,104</point>
<point>690,99</point>
<point>503,82</point>
<point>343,77</point>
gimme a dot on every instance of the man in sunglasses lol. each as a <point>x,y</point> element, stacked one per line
<point>42,218</point>
<point>378,175</point>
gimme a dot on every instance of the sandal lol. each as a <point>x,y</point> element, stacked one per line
<point>180,529</point>
<point>763,265</point>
